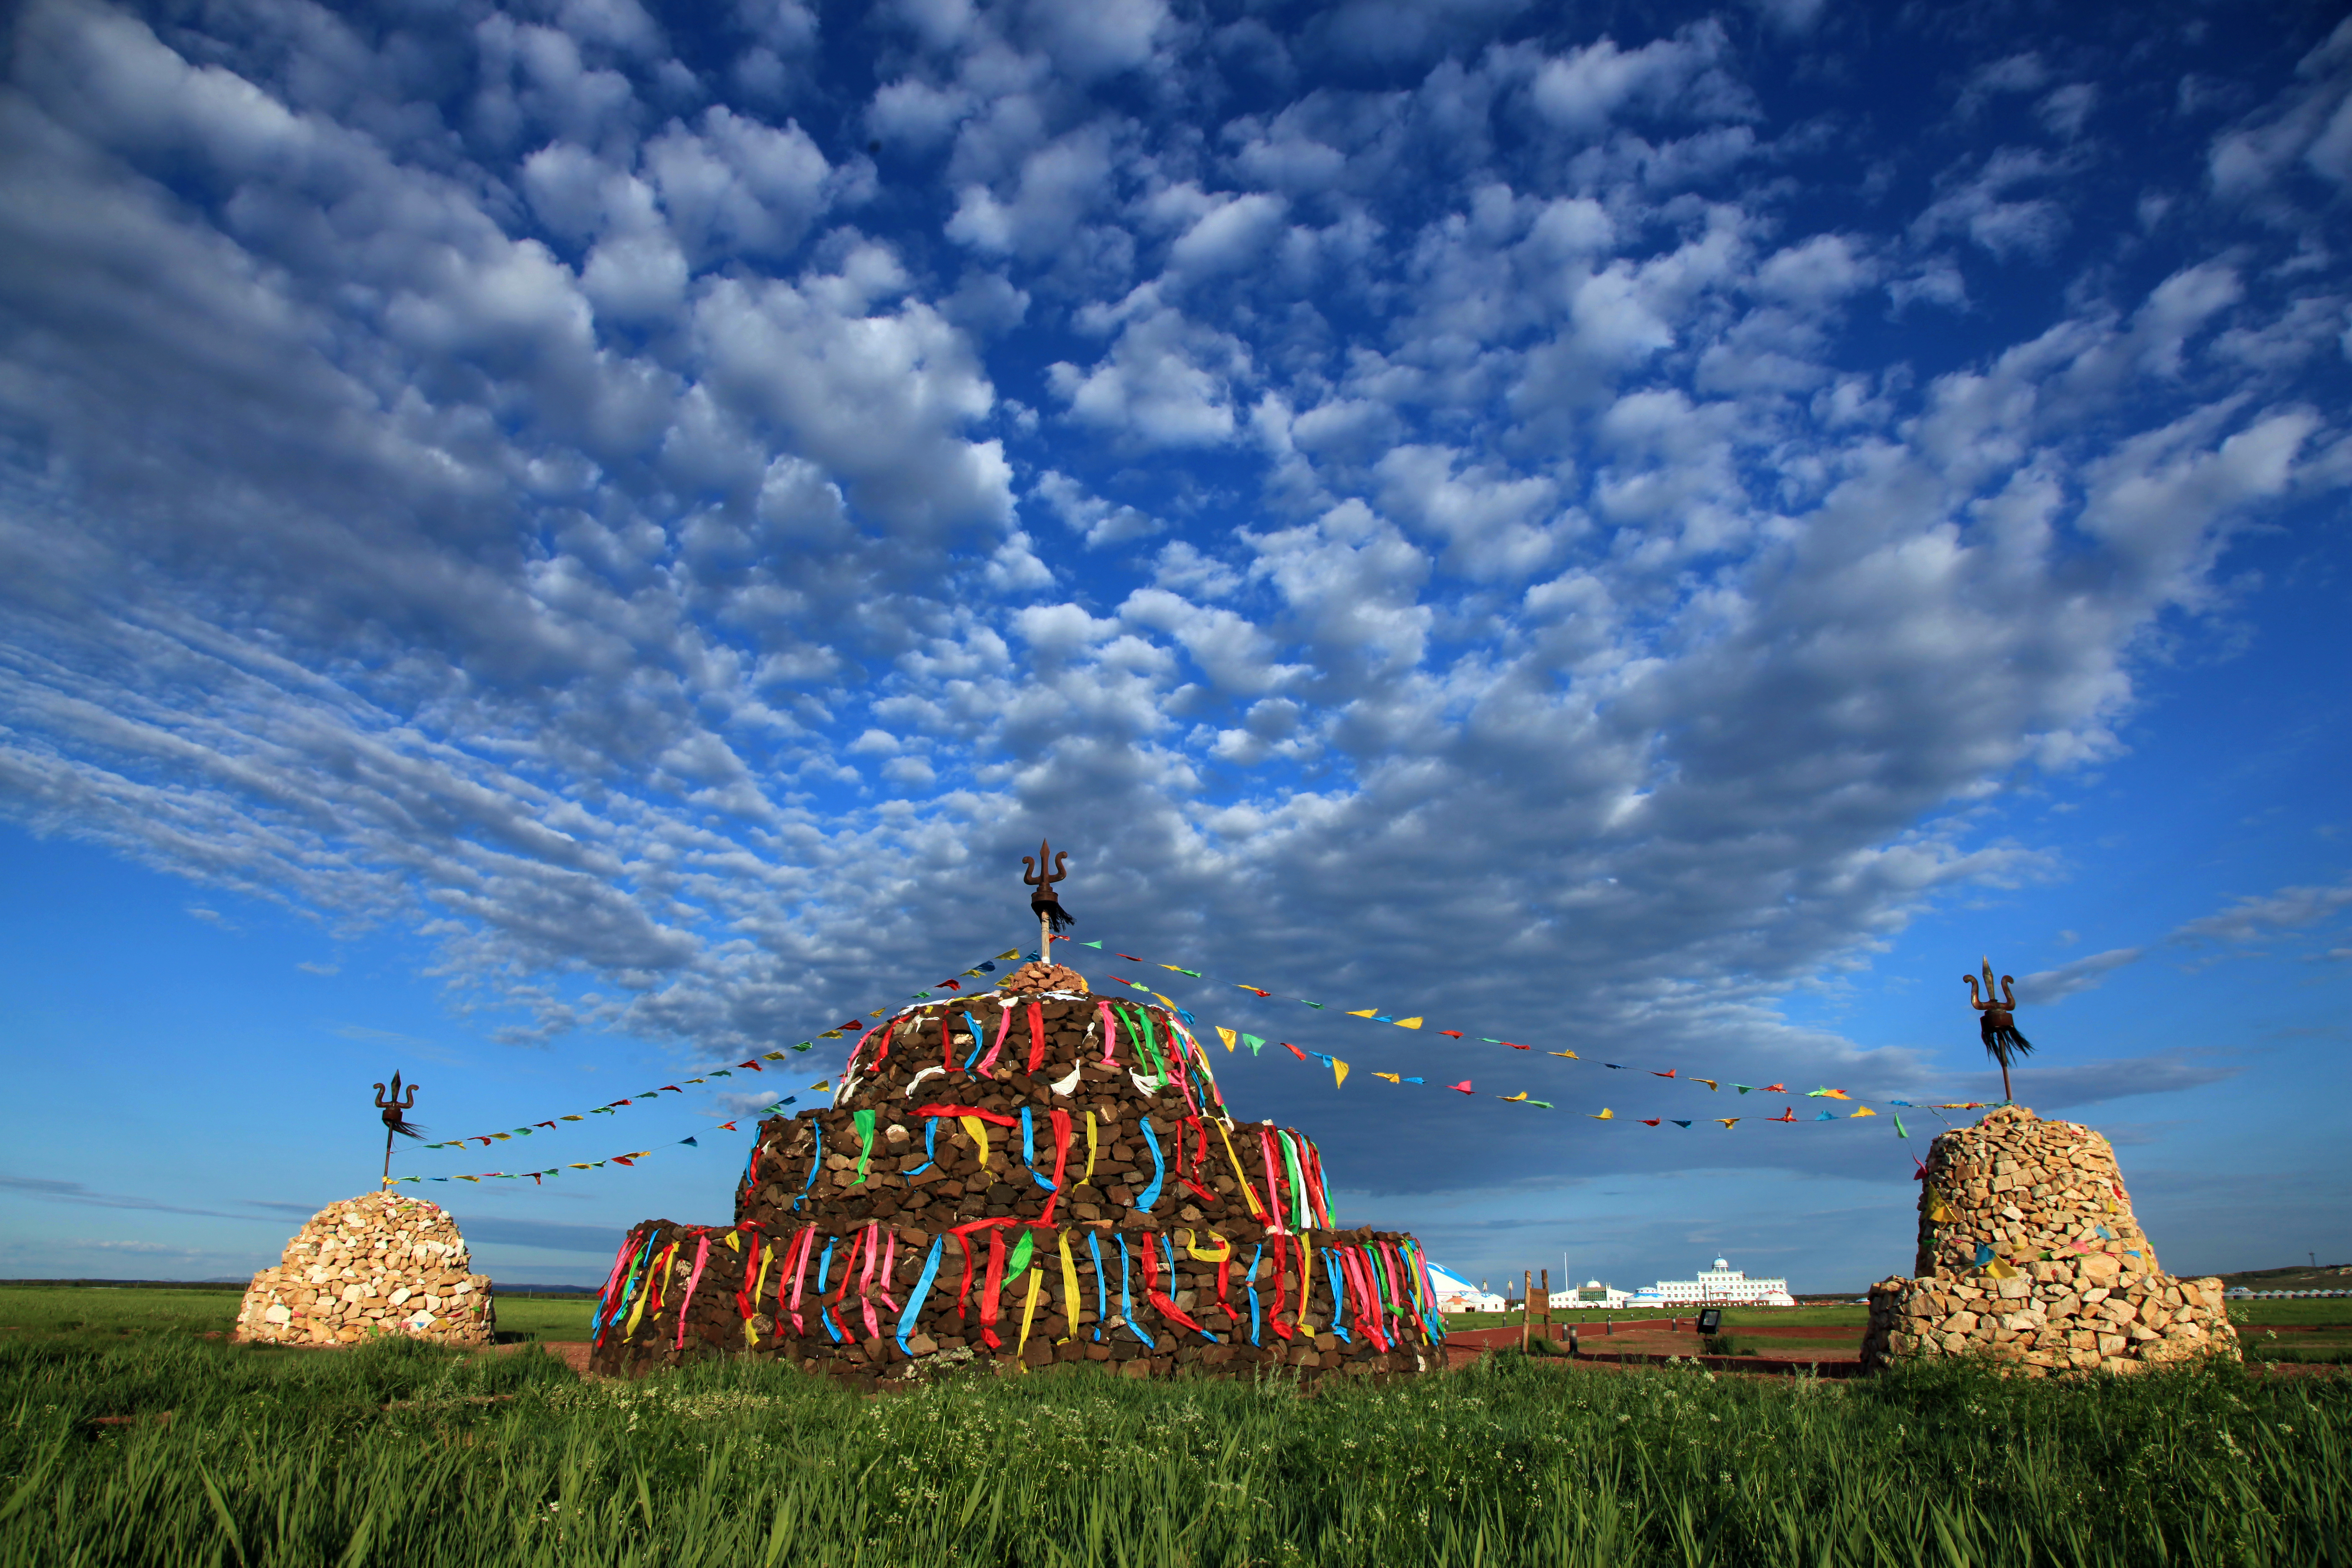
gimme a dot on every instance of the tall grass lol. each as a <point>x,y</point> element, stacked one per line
<point>399,1454</point>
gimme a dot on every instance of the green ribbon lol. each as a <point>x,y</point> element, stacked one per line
<point>865,1121</point>
<point>1140,1026</point>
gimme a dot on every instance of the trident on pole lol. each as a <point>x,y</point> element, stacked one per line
<point>1998,1026</point>
<point>395,1120</point>
<point>1050,916</point>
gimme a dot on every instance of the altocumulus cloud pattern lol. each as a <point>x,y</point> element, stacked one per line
<point>670,502</point>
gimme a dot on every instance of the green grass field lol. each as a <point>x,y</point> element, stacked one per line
<point>2257,1314</point>
<point>411,1456</point>
<point>122,1310</point>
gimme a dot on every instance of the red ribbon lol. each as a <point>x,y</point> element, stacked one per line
<point>1157,1297</point>
<point>1274,1317</point>
<point>988,1294</point>
<point>1061,1158</point>
<point>1036,1036</point>
<point>996,1117</point>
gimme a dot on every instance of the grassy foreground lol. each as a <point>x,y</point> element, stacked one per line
<point>140,1309</point>
<point>400,1454</point>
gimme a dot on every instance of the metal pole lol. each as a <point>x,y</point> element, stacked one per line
<point>1546,1288</point>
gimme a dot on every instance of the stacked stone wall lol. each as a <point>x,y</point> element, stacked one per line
<point>2028,1252</point>
<point>377,1264</point>
<point>1035,1176</point>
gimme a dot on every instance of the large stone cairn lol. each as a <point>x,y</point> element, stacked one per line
<point>1049,1177</point>
<point>2070,1284</point>
<point>374,1265</point>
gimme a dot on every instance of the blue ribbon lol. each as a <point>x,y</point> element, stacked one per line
<point>1251,1280</point>
<point>1168,1250</point>
<point>629,1288</point>
<point>921,1292</point>
<point>1430,1319</point>
<point>816,1163</point>
<point>1158,1166</point>
<point>1125,1305</point>
<point>1029,1154</point>
<point>1338,1293</point>
<point>930,1147</point>
<point>1102,1296</point>
<point>824,1312</point>
<point>976,1039</point>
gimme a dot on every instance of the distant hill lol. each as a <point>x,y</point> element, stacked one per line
<point>519,1288</point>
<point>2302,1277</point>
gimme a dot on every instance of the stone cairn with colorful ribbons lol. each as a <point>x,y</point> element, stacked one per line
<point>2029,1254</point>
<point>1025,1176</point>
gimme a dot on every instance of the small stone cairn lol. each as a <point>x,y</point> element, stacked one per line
<point>2070,1283</point>
<point>379,1264</point>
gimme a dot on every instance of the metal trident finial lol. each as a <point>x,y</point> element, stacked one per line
<point>1998,1026</point>
<point>396,1119</point>
<point>1042,872</point>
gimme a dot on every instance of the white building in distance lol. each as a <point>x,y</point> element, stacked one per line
<point>1591,1293</point>
<point>1455,1294</point>
<point>1720,1286</point>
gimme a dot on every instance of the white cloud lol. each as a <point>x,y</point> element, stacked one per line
<point>1989,208</point>
<point>2075,975</point>
<point>1167,382</point>
<point>525,528</point>
<point>1581,91</point>
<point>1095,520</point>
<point>734,187</point>
<point>1099,38</point>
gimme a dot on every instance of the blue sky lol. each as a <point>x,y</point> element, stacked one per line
<point>551,547</point>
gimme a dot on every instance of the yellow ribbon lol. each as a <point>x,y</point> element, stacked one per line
<point>1028,1312</point>
<point>767,1256</point>
<point>1090,1150</point>
<point>660,1267</point>
<point>1239,1174</point>
<point>979,1131</point>
<point>1224,1248</point>
<point>1069,1289</point>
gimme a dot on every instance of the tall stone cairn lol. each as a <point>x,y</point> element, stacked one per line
<point>1020,1177</point>
<point>2072,1282</point>
<point>379,1264</point>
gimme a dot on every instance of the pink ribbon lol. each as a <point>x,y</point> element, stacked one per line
<point>801,1248</point>
<point>1003,1029</point>
<point>701,1257</point>
<point>1273,1182</point>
